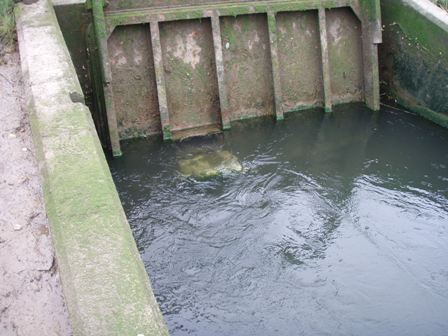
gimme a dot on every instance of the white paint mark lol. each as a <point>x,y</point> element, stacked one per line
<point>253,41</point>
<point>138,57</point>
<point>122,60</point>
<point>336,30</point>
<point>188,50</point>
<point>118,55</point>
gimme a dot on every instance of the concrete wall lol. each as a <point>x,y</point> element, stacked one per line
<point>106,287</point>
<point>75,21</point>
<point>414,57</point>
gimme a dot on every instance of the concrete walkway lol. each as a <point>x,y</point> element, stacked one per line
<point>106,287</point>
<point>31,300</point>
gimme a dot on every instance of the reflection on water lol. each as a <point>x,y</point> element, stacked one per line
<point>338,225</point>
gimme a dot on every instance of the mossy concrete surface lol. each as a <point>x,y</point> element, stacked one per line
<point>414,57</point>
<point>105,284</point>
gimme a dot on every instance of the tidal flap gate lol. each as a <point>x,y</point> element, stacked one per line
<point>189,67</point>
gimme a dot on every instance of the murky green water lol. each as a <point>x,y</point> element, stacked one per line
<point>338,225</point>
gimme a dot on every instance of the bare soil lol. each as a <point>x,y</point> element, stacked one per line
<point>31,298</point>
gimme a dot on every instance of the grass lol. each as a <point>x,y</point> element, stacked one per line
<point>7,25</point>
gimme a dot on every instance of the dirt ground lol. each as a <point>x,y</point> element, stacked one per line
<point>31,299</point>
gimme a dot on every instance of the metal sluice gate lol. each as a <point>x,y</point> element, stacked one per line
<point>183,68</point>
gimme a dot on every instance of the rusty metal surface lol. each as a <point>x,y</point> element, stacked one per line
<point>345,55</point>
<point>247,61</point>
<point>300,59</point>
<point>258,58</point>
<point>134,4</point>
<point>133,83</point>
<point>190,73</point>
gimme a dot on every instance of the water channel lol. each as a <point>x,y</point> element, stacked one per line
<point>337,224</point>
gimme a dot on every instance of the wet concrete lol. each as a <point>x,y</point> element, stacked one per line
<point>414,57</point>
<point>336,226</point>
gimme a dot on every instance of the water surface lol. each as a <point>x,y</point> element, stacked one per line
<point>337,226</point>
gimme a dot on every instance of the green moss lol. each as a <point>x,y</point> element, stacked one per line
<point>436,117</point>
<point>415,61</point>
<point>302,108</point>
<point>167,134</point>
<point>371,9</point>
<point>228,34</point>
<point>417,27</point>
<point>7,25</point>
<point>93,242</point>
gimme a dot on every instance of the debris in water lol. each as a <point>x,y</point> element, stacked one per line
<point>210,164</point>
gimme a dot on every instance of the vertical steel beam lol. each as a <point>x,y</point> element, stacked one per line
<point>371,71</point>
<point>160,80</point>
<point>325,60</point>
<point>101,37</point>
<point>371,37</point>
<point>219,61</point>
<point>272,27</point>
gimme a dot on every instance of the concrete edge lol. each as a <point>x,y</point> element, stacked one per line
<point>424,31</point>
<point>106,287</point>
<point>409,103</point>
<point>431,11</point>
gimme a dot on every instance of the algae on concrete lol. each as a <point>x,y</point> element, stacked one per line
<point>414,57</point>
<point>105,284</point>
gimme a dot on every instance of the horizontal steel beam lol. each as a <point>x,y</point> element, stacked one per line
<point>161,14</point>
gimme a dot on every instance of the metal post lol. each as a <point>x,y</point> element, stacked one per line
<point>325,60</point>
<point>160,80</point>
<point>272,26</point>
<point>101,37</point>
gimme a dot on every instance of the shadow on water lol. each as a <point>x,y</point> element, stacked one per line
<point>336,226</point>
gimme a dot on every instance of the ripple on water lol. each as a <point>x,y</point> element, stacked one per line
<point>337,225</point>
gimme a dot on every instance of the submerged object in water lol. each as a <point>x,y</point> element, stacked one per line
<point>210,164</point>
